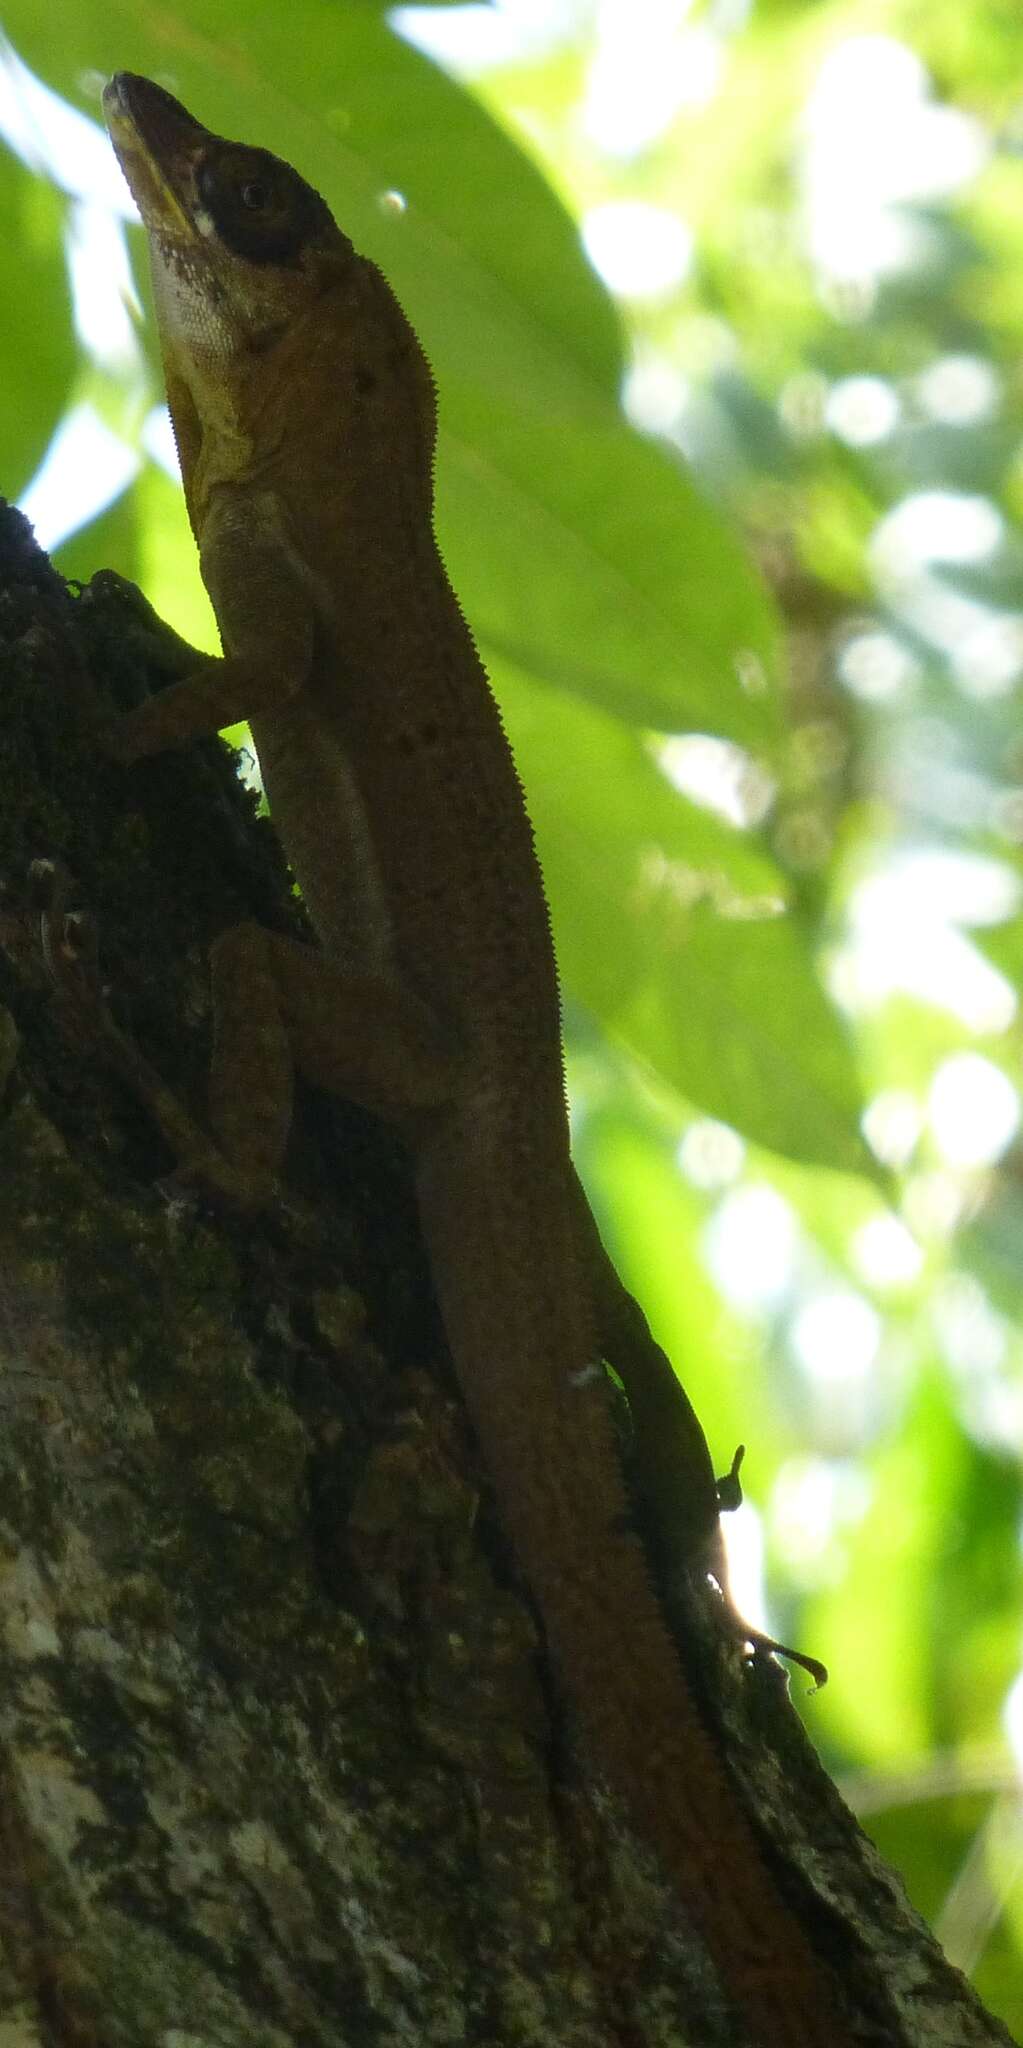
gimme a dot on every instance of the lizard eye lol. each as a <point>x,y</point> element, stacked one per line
<point>259,206</point>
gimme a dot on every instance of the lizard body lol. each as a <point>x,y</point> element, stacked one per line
<point>304,414</point>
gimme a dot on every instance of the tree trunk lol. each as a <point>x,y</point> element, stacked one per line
<point>281,1761</point>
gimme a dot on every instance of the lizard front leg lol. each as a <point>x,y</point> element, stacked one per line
<point>267,621</point>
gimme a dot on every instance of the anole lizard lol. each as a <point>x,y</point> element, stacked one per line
<point>303,410</point>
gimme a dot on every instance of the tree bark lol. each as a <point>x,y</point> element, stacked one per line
<point>281,1762</point>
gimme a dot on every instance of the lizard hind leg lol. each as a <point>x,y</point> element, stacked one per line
<point>279,1005</point>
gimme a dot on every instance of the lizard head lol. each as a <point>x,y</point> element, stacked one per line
<point>269,321</point>
<point>238,241</point>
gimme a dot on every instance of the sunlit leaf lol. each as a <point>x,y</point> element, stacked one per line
<point>669,930</point>
<point>111,538</point>
<point>575,543</point>
<point>36,344</point>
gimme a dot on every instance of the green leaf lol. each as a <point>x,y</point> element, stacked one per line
<point>577,545</point>
<point>614,577</point>
<point>38,351</point>
<point>904,1612</point>
<point>111,538</point>
<point>665,925</point>
<point>363,115</point>
<point>736,1018</point>
<point>168,565</point>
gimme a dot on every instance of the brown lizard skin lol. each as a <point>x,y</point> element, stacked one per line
<point>304,414</point>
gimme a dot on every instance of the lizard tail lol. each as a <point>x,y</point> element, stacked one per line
<point>538,1398</point>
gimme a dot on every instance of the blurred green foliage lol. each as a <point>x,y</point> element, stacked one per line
<point>837,365</point>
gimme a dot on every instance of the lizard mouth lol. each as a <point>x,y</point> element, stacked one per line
<point>157,143</point>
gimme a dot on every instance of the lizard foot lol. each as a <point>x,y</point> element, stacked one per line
<point>765,1645</point>
<point>729,1491</point>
